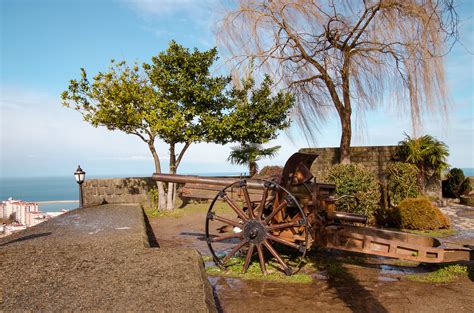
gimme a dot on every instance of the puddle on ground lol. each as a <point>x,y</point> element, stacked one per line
<point>391,273</point>
<point>400,270</point>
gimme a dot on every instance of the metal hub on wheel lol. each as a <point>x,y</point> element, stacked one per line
<point>254,231</point>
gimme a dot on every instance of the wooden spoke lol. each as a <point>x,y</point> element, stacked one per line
<point>261,206</point>
<point>248,257</point>
<point>284,225</point>
<point>296,217</point>
<point>283,242</point>
<point>233,251</point>
<point>265,229</point>
<point>276,255</point>
<point>224,237</point>
<point>261,259</point>
<point>275,211</point>
<point>247,201</point>
<point>234,207</point>
<point>227,221</point>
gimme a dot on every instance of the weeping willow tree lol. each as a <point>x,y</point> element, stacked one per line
<point>346,55</point>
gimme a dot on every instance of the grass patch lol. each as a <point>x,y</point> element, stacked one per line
<point>157,213</point>
<point>445,274</point>
<point>254,272</point>
<point>206,258</point>
<point>405,263</point>
<point>189,208</point>
<point>432,233</point>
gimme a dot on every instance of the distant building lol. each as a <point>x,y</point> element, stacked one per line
<point>23,212</point>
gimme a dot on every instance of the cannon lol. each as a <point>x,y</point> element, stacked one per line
<point>279,220</point>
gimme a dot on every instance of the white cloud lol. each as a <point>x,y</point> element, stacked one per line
<point>165,7</point>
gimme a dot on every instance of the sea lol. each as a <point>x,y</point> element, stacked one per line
<point>54,194</point>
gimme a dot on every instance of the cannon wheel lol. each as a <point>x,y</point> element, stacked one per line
<point>263,228</point>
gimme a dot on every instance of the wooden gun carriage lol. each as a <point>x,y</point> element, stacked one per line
<point>272,219</point>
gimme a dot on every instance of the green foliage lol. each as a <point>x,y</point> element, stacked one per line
<point>258,114</point>
<point>427,153</point>
<point>445,274</point>
<point>456,185</point>
<point>419,214</point>
<point>357,181</point>
<point>249,154</point>
<point>153,209</point>
<point>192,101</point>
<point>401,182</point>
<point>174,98</point>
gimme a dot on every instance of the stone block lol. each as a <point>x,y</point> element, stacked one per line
<point>109,190</point>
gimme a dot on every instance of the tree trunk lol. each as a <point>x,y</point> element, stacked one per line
<point>422,179</point>
<point>252,168</point>
<point>345,113</point>
<point>161,189</point>
<point>171,186</point>
<point>345,145</point>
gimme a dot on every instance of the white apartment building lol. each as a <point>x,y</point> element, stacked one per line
<point>24,213</point>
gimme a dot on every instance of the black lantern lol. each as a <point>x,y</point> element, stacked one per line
<point>80,176</point>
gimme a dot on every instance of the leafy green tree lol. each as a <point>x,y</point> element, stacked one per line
<point>427,153</point>
<point>174,99</point>
<point>257,114</point>
<point>257,117</point>
<point>249,154</point>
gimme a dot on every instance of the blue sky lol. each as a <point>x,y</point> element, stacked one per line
<point>45,43</point>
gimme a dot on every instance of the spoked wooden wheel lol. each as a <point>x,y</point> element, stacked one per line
<point>270,227</point>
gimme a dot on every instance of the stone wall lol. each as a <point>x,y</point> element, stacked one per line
<point>117,190</point>
<point>375,158</point>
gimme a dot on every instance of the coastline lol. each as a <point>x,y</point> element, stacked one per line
<point>56,201</point>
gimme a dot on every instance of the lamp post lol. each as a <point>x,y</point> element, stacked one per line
<point>80,176</point>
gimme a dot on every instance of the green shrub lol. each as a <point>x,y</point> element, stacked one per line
<point>420,214</point>
<point>357,181</point>
<point>402,182</point>
<point>456,185</point>
<point>152,210</point>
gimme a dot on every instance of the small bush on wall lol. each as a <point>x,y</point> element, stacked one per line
<point>357,181</point>
<point>419,214</point>
<point>402,182</point>
<point>456,185</point>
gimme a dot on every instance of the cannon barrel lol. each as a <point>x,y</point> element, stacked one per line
<point>349,217</point>
<point>192,179</point>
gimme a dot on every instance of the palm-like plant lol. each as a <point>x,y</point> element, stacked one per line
<point>250,153</point>
<point>427,153</point>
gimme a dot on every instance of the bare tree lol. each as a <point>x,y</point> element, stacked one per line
<point>347,55</point>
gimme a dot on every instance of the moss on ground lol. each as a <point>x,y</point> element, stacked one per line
<point>433,233</point>
<point>254,272</point>
<point>444,274</point>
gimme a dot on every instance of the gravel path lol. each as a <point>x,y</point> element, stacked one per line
<point>97,259</point>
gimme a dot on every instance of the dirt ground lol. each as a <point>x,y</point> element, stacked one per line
<point>363,284</point>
